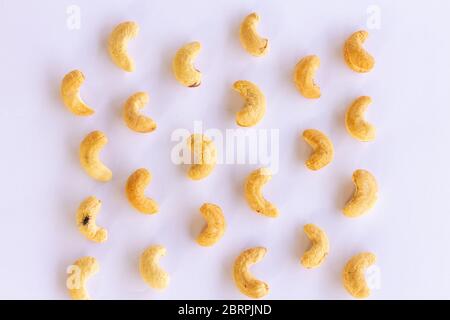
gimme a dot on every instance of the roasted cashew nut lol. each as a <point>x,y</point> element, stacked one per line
<point>250,40</point>
<point>323,151</point>
<point>183,68</point>
<point>135,190</point>
<point>86,220</point>
<point>150,270</point>
<point>253,193</point>
<point>316,254</point>
<point>365,194</point>
<point>304,77</point>
<point>90,149</point>
<point>83,269</point>
<point>245,281</point>
<point>132,117</point>
<point>355,122</point>
<point>205,156</point>
<point>353,275</point>
<point>215,225</point>
<point>118,44</point>
<point>356,57</point>
<point>70,93</point>
<point>255,103</point>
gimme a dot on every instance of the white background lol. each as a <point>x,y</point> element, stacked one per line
<point>42,182</point>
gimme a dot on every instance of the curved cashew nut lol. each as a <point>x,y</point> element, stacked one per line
<point>182,65</point>
<point>304,77</point>
<point>133,119</point>
<point>365,194</point>
<point>323,151</point>
<point>250,40</point>
<point>355,123</point>
<point>70,93</point>
<point>215,227</point>
<point>86,216</point>
<point>118,44</point>
<point>253,193</point>
<point>353,274</point>
<point>86,267</point>
<point>245,281</point>
<point>90,149</point>
<point>316,254</point>
<point>356,57</point>
<point>255,103</point>
<point>135,190</point>
<point>205,156</point>
<point>150,270</point>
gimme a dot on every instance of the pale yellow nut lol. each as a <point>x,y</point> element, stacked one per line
<point>86,220</point>
<point>245,281</point>
<point>353,275</point>
<point>205,156</point>
<point>150,270</point>
<point>90,149</point>
<point>132,117</point>
<point>183,67</point>
<point>250,39</point>
<point>118,44</point>
<point>253,193</point>
<point>364,196</point>
<point>255,103</point>
<point>82,270</point>
<point>356,57</point>
<point>70,94</point>
<point>356,124</point>
<point>304,77</point>
<point>215,225</point>
<point>316,254</point>
<point>135,190</point>
<point>323,151</point>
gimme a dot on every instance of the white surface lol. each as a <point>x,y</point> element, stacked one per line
<point>42,182</point>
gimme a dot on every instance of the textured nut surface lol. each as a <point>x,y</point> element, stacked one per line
<point>365,195</point>
<point>90,149</point>
<point>132,117</point>
<point>205,156</point>
<point>255,103</point>
<point>215,225</point>
<point>70,94</point>
<point>323,151</point>
<point>250,39</point>
<point>118,44</point>
<point>183,68</point>
<point>86,220</point>
<point>353,275</point>
<point>135,189</point>
<point>86,268</point>
<point>356,57</point>
<point>356,124</point>
<point>304,76</point>
<point>150,270</point>
<point>253,193</point>
<point>316,254</point>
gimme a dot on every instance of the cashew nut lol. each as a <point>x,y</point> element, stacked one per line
<point>323,151</point>
<point>316,254</point>
<point>205,156</point>
<point>183,67</point>
<point>86,216</point>
<point>253,192</point>
<point>215,225</point>
<point>255,103</point>
<point>365,194</point>
<point>89,156</point>
<point>355,123</point>
<point>135,191</point>
<point>132,117</point>
<point>356,57</point>
<point>250,40</point>
<point>353,275</point>
<point>85,268</point>
<point>150,270</point>
<point>245,281</point>
<point>118,44</point>
<point>304,76</point>
<point>70,93</point>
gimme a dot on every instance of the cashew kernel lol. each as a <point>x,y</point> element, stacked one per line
<point>316,254</point>
<point>86,220</point>
<point>70,94</point>
<point>323,151</point>
<point>356,57</point>
<point>255,103</point>
<point>90,149</point>
<point>364,196</point>
<point>356,124</point>
<point>304,77</point>
<point>253,193</point>
<point>86,267</point>
<point>135,190</point>
<point>132,117</point>
<point>118,44</point>
<point>150,270</point>
<point>353,275</point>
<point>205,156</point>
<point>250,39</point>
<point>215,225</point>
<point>183,68</point>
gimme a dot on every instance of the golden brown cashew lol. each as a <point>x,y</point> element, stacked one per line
<point>255,103</point>
<point>132,117</point>
<point>86,216</point>
<point>205,156</point>
<point>365,194</point>
<point>355,123</point>
<point>135,191</point>
<point>70,93</point>
<point>215,225</point>
<point>316,254</point>
<point>245,281</point>
<point>356,57</point>
<point>253,193</point>
<point>118,44</point>
<point>183,68</point>
<point>304,77</point>
<point>323,151</point>
<point>250,40</point>
<point>84,268</point>
<point>150,270</point>
<point>90,149</point>
<point>353,275</point>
